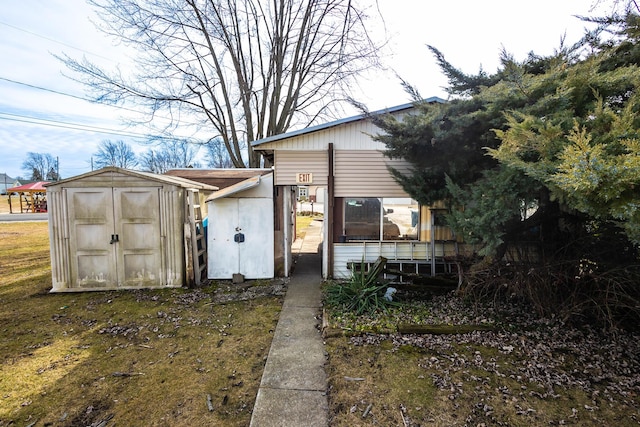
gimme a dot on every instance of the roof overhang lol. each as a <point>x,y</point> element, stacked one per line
<point>311,129</point>
<point>236,188</point>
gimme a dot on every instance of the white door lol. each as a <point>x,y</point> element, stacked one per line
<point>137,226</point>
<point>256,224</point>
<point>91,231</point>
<point>115,237</point>
<point>241,238</point>
<point>224,258</point>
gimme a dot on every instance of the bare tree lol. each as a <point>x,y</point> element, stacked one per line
<point>117,153</point>
<point>217,156</point>
<point>170,155</point>
<point>246,69</point>
<point>40,166</point>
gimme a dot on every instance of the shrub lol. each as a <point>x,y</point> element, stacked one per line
<point>363,293</point>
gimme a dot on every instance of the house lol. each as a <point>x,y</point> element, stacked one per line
<point>121,229</point>
<point>7,182</point>
<point>366,212</point>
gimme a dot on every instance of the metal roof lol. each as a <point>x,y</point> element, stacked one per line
<point>236,188</point>
<point>343,121</point>
<point>33,187</point>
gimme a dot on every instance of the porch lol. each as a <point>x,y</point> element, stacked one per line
<point>412,257</point>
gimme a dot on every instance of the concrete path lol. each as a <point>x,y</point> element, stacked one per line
<point>294,384</point>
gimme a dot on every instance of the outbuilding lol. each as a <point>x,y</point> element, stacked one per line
<point>241,233</point>
<point>122,229</point>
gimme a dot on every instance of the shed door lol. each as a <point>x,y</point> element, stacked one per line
<point>116,234</point>
<point>137,225</point>
<point>91,224</point>
<point>250,218</point>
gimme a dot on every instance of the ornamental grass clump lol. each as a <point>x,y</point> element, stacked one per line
<point>363,293</point>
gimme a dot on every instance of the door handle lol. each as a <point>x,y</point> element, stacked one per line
<point>114,239</point>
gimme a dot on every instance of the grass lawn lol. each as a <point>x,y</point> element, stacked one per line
<point>524,372</point>
<point>154,358</point>
<point>131,358</point>
<point>302,222</point>
<point>4,203</point>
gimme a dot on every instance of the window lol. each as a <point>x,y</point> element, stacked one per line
<point>370,218</point>
<point>303,193</point>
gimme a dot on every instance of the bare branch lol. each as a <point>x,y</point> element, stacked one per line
<point>242,69</point>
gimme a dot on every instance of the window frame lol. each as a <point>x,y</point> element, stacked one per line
<point>383,224</point>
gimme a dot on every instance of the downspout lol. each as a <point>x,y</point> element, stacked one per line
<point>329,221</point>
<point>286,224</point>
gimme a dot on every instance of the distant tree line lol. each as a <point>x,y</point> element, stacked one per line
<point>163,156</point>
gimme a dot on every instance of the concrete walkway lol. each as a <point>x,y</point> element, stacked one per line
<point>293,387</point>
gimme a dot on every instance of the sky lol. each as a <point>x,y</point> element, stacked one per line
<point>42,110</point>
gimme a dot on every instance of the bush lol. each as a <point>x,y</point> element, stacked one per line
<point>363,293</point>
<point>581,291</point>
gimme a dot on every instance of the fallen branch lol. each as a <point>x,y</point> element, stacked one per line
<point>404,421</point>
<point>366,411</point>
<point>126,374</point>
<point>405,328</point>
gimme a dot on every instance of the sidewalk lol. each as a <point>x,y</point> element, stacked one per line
<point>293,387</point>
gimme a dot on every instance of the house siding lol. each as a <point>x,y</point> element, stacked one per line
<point>364,173</point>
<point>290,163</point>
<point>350,136</point>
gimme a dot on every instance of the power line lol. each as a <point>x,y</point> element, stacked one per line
<point>85,99</point>
<point>64,125</point>
<point>83,128</point>
<point>53,40</point>
<point>55,91</point>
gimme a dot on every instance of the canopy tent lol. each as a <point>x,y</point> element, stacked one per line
<point>33,195</point>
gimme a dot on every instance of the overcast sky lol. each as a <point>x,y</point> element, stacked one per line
<point>38,114</point>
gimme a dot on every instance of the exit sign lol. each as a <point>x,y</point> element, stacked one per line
<point>304,178</point>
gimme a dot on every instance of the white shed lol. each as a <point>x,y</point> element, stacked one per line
<point>241,230</point>
<point>121,229</point>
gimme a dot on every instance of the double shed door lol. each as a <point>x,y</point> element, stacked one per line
<point>241,238</point>
<point>115,237</point>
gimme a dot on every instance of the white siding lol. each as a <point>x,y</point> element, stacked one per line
<point>290,163</point>
<point>348,136</point>
<point>345,253</point>
<point>364,173</point>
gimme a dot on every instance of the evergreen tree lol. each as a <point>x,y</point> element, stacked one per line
<point>543,143</point>
<point>587,153</point>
